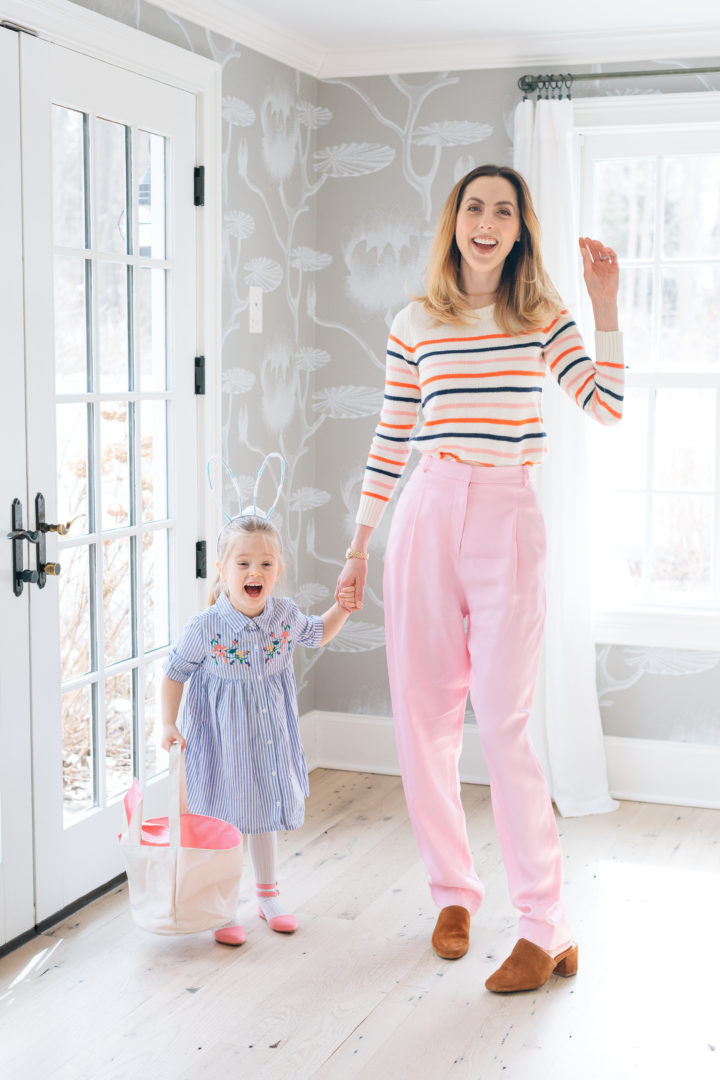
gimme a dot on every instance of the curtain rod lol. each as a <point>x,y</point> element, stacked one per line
<point>530,83</point>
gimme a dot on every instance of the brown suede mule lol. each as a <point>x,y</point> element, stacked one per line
<point>451,936</point>
<point>529,967</point>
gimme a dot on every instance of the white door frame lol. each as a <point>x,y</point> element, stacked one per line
<point>16,844</point>
<point>93,35</point>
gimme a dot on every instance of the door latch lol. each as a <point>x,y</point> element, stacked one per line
<point>19,534</point>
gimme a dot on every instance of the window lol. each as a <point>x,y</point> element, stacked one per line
<point>652,191</point>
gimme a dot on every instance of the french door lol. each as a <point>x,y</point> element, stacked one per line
<point>102,398</point>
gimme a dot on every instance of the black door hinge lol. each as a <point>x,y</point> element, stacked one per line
<point>199,374</point>
<point>201,559</point>
<point>199,185</point>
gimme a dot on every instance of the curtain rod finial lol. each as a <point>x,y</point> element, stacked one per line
<point>528,84</point>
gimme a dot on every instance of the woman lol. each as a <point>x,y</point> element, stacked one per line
<point>464,568</point>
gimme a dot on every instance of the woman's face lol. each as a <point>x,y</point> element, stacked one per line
<point>488,224</point>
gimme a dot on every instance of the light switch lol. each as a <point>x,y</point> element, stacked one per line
<point>255,308</point>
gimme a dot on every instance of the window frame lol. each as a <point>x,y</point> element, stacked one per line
<point>699,113</point>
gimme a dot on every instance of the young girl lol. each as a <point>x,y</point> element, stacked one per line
<point>244,760</point>
<point>464,566</point>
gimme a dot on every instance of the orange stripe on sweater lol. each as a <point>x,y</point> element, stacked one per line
<point>481,337</point>
<point>387,460</point>
<point>374,496</point>
<point>446,340</point>
<point>556,361</point>
<point>482,420</point>
<point>617,415</point>
<point>404,385</point>
<point>397,427</point>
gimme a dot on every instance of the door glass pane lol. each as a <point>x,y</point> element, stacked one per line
<point>692,206</point>
<point>682,543</point>
<point>150,320</point>
<point>155,757</point>
<point>111,339</point>
<point>118,734</point>
<point>77,751</point>
<point>68,166</point>
<point>155,589</point>
<point>110,164</point>
<point>74,599</point>
<point>70,324</point>
<point>684,440</point>
<point>112,326</point>
<point>150,169</point>
<point>690,304</point>
<point>117,613</point>
<point>625,205</point>
<point>114,464</point>
<point>154,460</point>
<point>72,464</point>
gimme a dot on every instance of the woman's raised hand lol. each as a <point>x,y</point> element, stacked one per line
<point>601,273</point>
<point>351,583</point>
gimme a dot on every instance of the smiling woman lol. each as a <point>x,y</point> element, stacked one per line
<point>488,226</point>
<point>464,567</point>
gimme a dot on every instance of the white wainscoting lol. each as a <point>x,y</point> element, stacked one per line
<point>649,770</point>
<point>641,770</point>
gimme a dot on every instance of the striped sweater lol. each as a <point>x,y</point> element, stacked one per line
<point>480,391</point>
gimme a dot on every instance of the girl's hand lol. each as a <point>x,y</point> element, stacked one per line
<point>351,585</point>
<point>600,270</point>
<point>170,735</point>
<point>346,599</point>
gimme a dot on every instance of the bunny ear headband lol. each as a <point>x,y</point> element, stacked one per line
<point>249,511</point>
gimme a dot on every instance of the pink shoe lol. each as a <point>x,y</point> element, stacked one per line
<point>283,923</point>
<point>230,935</point>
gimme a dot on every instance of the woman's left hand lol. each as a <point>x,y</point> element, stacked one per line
<point>600,270</point>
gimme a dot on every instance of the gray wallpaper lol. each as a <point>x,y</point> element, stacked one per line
<point>330,192</point>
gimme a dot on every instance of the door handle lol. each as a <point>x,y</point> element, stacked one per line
<point>18,534</point>
<point>16,537</point>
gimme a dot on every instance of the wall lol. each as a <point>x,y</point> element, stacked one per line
<point>426,131</point>
<point>330,193</point>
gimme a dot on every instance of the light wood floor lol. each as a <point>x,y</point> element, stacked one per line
<point>358,993</point>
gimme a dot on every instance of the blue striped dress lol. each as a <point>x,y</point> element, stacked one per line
<point>244,759</point>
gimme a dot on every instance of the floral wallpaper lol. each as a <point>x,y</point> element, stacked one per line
<point>330,193</point>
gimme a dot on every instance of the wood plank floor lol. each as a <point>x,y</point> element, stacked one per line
<point>358,993</point>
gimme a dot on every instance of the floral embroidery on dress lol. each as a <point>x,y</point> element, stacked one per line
<point>228,654</point>
<point>278,644</point>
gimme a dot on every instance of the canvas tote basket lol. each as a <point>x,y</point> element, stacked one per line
<point>183,870</point>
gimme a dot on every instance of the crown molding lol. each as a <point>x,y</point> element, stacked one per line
<point>538,50</point>
<point>244,26</point>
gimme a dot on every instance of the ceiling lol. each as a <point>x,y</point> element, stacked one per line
<point>330,38</point>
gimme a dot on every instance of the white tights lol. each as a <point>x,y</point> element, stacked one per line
<point>263,853</point>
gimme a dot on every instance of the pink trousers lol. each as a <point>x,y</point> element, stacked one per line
<point>464,609</point>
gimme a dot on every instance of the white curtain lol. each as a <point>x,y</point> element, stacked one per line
<point>565,723</point>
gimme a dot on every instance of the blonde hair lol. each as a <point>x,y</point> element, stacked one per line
<point>247,525</point>
<point>526,298</point>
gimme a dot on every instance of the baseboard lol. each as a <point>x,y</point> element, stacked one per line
<point>367,744</point>
<point>639,770</point>
<point>648,770</point>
